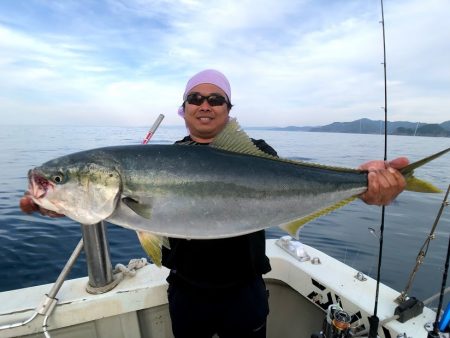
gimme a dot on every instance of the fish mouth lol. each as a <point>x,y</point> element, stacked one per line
<point>38,185</point>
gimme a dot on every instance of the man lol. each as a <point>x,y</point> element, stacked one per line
<point>216,286</point>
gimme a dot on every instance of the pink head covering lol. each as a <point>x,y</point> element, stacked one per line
<point>207,76</point>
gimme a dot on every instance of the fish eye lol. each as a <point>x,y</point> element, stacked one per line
<point>58,178</point>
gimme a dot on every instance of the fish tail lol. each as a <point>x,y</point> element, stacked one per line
<point>416,184</point>
<point>152,245</point>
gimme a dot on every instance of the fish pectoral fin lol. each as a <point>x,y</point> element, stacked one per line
<point>152,245</point>
<point>293,227</point>
<point>142,209</point>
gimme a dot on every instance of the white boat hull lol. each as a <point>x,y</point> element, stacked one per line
<point>300,292</point>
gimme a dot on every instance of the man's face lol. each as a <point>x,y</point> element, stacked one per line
<point>205,121</point>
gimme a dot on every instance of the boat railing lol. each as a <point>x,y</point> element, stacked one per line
<point>101,277</point>
<point>98,259</point>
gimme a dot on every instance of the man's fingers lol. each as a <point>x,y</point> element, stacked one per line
<point>384,186</point>
<point>27,205</point>
<point>49,213</point>
<point>399,162</point>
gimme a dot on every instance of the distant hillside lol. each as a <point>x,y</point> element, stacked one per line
<point>445,125</point>
<point>289,128</point>
<point>425,130</point>
<point>367,126</point>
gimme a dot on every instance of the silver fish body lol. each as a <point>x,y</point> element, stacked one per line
<point>198,191</point>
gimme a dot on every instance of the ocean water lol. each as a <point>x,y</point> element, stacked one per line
<point>34,249</point>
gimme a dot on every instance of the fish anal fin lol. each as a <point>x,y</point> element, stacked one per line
<point>152,245</point>
<point>142,209</point>
<point>293,227</point>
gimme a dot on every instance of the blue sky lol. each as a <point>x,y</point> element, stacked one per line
<point>290,62</point>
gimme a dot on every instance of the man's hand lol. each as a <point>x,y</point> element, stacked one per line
<point>385,181</point>
<point>28,206</point>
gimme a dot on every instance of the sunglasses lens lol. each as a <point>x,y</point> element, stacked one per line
<point>216,100</point>
<point>213,100</point>
<point>195,99</point>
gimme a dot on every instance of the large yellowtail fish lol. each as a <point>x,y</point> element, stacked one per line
<point>226,189</point>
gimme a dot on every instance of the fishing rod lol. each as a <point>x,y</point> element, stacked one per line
<point>424,249</point>
<point>411,307</point>
<point>153,129</point>
<point>374,320</point>
<point>441,326</point>
<point>408,307</point>
<point>338,322</point>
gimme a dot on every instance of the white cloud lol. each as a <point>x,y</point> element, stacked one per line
<point>293,62</point>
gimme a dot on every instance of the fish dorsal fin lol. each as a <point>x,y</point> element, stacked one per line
<point>293,227</point>
<point>233,138</point>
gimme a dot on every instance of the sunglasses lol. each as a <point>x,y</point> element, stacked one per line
<point>213,99</point>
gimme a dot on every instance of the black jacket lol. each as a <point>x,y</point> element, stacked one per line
<point>218,263</point>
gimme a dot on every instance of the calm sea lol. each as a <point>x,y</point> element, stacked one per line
<point>34,248</point>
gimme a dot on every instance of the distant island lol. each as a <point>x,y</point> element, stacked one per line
<point>367,126</point>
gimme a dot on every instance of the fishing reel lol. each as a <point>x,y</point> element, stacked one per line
<point>336,324</point>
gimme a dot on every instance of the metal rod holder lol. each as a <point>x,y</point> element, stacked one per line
<point>96,249</point>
